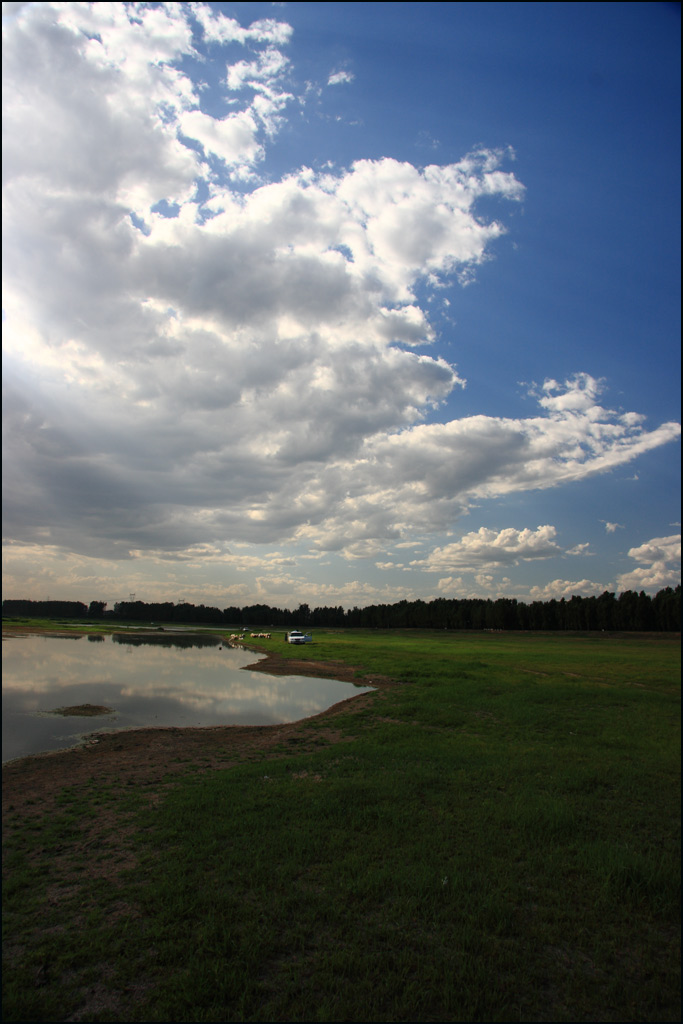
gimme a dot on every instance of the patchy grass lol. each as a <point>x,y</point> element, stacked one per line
<point>498,838</point>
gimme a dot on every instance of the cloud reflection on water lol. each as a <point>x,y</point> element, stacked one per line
<point>160,684</point>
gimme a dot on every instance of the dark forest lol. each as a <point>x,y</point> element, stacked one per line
<point>629,611</point>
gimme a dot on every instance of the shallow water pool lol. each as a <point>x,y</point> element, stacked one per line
<point>182,680</point>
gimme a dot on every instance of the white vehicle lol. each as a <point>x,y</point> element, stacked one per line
<point>295,637</point>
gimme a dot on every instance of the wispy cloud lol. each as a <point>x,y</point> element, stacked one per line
<point>580,549</point>
<point>220,29</point>
<point>340,77</point>
<point>612,527</point>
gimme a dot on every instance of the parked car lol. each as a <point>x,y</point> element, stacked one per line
<point>295,637</point>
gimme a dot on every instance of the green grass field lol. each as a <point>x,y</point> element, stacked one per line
<point>497,838</point>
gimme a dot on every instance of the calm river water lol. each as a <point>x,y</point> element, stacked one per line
<point>182,680</point>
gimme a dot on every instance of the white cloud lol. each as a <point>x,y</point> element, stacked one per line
<point>486,548</point>
<point>426,475</point>
<point>9,7</point>
<point>660,549</point>
<point>660,565</point>
<point>219,29</point>
<point>233,138</point>
<point>580,549</point>
<point>268,66</point>
<point>612,527</point>
<point>420,223</point>
<point>94,99</point>
<point>558,589</point>
<point>451,586</point>
<point>479,585</point>
<point>107,145</point>
<point>340,77</point>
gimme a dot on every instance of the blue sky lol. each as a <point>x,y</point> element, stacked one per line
<point>340,303</point>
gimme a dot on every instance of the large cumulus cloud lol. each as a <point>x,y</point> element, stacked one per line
<point>195,356</point>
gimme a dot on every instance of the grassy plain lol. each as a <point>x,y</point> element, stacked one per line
<point>494,837</point>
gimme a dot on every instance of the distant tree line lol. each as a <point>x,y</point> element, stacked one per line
<point>629,611</point>
<point>53,609</point>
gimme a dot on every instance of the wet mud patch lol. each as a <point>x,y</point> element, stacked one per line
<point>83,710</point>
